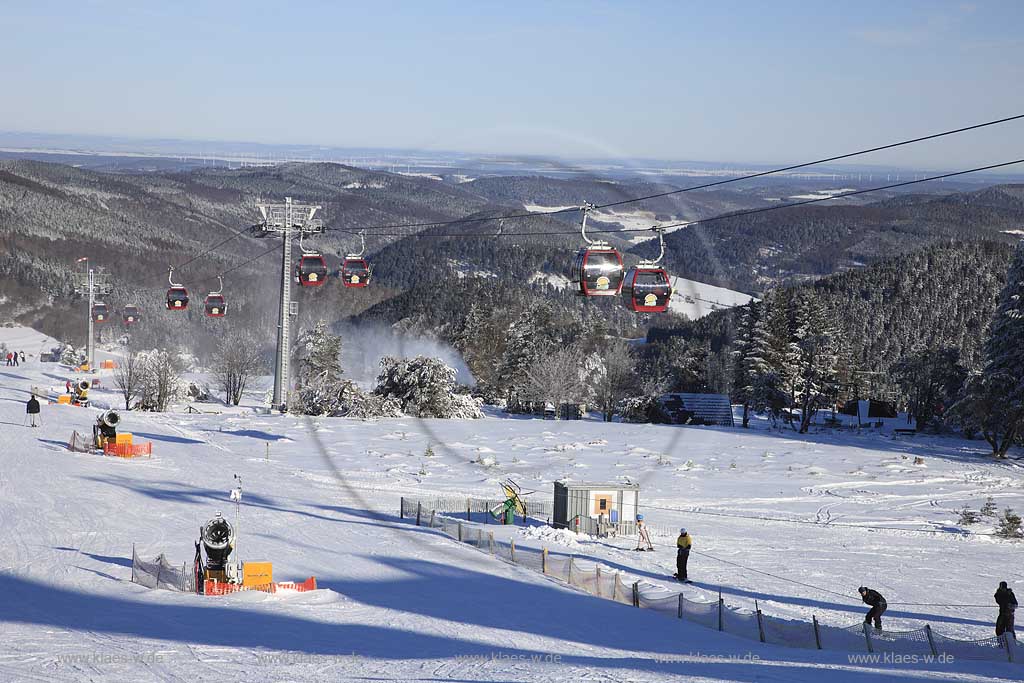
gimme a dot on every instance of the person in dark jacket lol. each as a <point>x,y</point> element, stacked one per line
<point>32,410</point>
<point>1007,604</point>
<point>878,605</point>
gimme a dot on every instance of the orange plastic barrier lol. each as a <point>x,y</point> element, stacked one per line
<point>212,587</point>
<point>64,399</point>
<point>108,365</point>
<point>127,450</point>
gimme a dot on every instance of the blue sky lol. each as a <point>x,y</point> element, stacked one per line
<point>716,81</point>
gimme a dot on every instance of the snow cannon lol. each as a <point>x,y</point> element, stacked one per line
<point>105,429</point>
<point>218,537</point>
<point>81,397</point>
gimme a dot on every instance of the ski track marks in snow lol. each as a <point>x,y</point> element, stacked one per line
<point>408,601</point>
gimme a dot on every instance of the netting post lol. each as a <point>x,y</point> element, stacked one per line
<point>597,581</point>
<point>479,538</point>
<point>133,563</point>
<point>615,587</point>
<point>760,624</point>
<point>1010,640</point>
<point>867,636</point>
<point>490,541</point>
<point>512,550</point>
<point>931,641</point>
<point>636,594</point>
<point>469,516</point>
<point>419,512</point>
<point>569,580</point>
<point>817,633</point>
<point>681,600</point>
<point>401,508</point>
<point>432,512</point>
<point>460,532</point>
<point>721,604</point>
<point>544,561</point>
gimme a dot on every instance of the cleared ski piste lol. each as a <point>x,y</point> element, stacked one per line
<point>399,602</point>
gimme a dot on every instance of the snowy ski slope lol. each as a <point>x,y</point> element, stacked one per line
<point>403,603</point>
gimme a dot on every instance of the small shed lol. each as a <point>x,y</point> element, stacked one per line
<point>594,507</point>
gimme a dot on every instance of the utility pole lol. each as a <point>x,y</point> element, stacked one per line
<point>91,282</point>
<point>286,219</point>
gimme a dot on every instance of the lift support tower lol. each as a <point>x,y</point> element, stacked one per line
<point>288,220</point>
<point>89,282</point>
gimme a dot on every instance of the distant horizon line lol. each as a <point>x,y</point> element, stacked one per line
<point>126,146</point>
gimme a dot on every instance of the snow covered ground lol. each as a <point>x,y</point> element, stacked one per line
<point>399,602</point>
<point>696,299</point>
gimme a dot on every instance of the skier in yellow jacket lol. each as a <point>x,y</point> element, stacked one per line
<point>683,545</point>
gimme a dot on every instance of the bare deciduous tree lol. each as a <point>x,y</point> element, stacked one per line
<point>616,378</point>
<point>161,372</point>
<point>129,378</point>
<point>555,378</point>
<point>237,360</point>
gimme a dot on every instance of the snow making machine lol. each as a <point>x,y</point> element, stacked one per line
<point>220,573</point>
<point>216,541</point>
<point>80,393</point>
<point>104,431</point>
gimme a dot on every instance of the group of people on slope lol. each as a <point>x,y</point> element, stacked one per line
<point>1005,600</point>
<point>1004,596</point>
<point>13,358</point>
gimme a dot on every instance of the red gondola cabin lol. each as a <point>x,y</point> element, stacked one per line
<point>597,271</point>
<point>177,299</point>
<point>215,306</point>
<point>99,313</point>
<point>130,315</point>
<point>647,290</point>
<point>355,272</point>
<point>311,270</point>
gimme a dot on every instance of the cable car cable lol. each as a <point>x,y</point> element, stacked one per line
<point>750,176</point>
<point>734,214</point>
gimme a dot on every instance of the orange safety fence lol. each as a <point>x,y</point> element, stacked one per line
<point>127,450</point>
<point>214,587</point>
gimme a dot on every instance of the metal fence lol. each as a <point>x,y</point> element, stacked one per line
<point>475,509</point>
<point>599,581</point>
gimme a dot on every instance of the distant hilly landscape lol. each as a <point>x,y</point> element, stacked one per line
<point>134,224</point>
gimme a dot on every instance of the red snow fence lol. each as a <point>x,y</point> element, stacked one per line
<point>214,587</point>
<point>129,450</point>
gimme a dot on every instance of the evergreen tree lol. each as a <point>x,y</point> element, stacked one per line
<point>816,380</point>
<point>995,401</point>
<point>321,387</point>
<point>931,379</point>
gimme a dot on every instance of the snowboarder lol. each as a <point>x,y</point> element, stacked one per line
<point>643,537</point>
<point>683,545</point>
<point>1007,604</point>
<point>878,605</point>
<point>32,410</point>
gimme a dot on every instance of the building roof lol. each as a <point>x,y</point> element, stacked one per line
<point>596,485</point>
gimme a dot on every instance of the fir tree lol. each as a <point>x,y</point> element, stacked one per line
<point>995,401</point>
